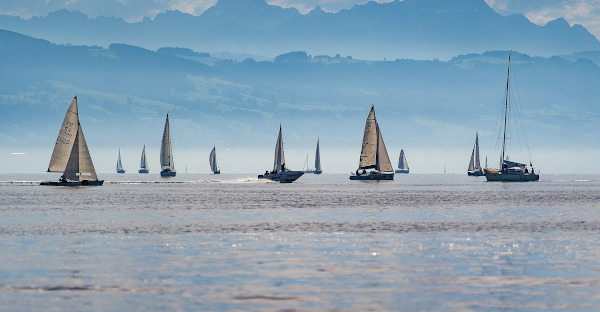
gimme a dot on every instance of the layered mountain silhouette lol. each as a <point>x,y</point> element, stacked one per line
<point>415,29</point>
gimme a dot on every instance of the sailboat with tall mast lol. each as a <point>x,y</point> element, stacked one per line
<point>280,172</point>
<point>373,154</point>
<point>317,169</point>
<point>119,164</point>
<point>402,163</point>
<point>509,171</point>
<point>71,155</point>
<point>144,162</point>
<point>212,160</point>
<point>166,153</point>
<point>475,169</point>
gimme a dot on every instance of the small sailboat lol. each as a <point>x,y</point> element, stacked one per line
<point>144,162</point>
<point>119,164</point>
<point>317,169</point>
<point>166,153</point>
<point>373,154</point>
<point>212,160</point>
<point>475,169</point>
<point>402,163</point>
<point>509,171</point>
<point>280,172</point>
<point>71,155</point>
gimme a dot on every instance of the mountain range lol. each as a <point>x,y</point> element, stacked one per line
<point>412,29</point>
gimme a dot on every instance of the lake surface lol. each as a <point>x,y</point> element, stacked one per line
<point>323,243</point>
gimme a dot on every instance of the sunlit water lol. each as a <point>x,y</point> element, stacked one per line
<point>324,243</point>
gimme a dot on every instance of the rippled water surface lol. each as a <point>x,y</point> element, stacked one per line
<point>324,243</point>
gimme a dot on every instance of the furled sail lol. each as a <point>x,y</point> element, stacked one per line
<point>279,155</point>
<point>368,153</point>
<point>383,160</point>
<point>212,159</point>
<point>402,163</point>
<point>143,161</point>
<point>166,153</point>
<point>66,139</point>
<point>317,158</point>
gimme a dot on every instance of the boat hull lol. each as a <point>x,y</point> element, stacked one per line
<point>121,171</point>
<point>373,176</point>
<point>512,177</point>
<point>282,177</point>
<point>168,173</point>
<point>143,171</point>
<point>217,172</point>
<point>318,172</point>
<point>73,183</point>
<point>402,171</point>
<point>477,173</point>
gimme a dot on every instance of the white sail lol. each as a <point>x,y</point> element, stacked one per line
<point>402,163</point>
<point>477,163</point>
<point>279,155</point>
<point>119,164</point>
<point>383,160</point>
<point>166,153</point>
<point>66,139</point>
<point>368,153</point>
<point>317,158</point>
<point>143,161</point>
<point>212,160</point>
<point>472,162</point>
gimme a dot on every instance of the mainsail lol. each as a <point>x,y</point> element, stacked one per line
<point>119,164</point>
<point>279,155</point>
<point>374,154</point>
<point>402,163</point>
<point>474,164</point>
<point>166,153</point>
<point>318,158</point>
<point>143,161</point>
<point>71,155</point>
<point>212,159</point>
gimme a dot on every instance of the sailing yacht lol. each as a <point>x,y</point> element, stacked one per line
<point>166,153</point>
<point>402,163</point>
<point>71,155</point>
<point>373,154</point>
<point>509,171</point>
<point>144,162</point>
<point>475,169</point>
<point>119,164</point>
<point>212,160</point>
<point>280,172</point>
<point>317,169</point>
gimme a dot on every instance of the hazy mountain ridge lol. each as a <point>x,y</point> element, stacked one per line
<point>418,29</point>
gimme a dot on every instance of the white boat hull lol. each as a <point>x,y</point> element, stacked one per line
<point>282,177</point>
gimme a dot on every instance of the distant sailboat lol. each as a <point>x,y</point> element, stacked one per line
<point>402,163</point>
<point>71,155</point>
<point>317,169</point>
<point>166,153</point>
<point>144,162</point>
<point>119,164</point>
<point>474,165</point>
<point>280,172</point>
<point>509,171</point>
<point>212,160</point>
<point>373,154</point>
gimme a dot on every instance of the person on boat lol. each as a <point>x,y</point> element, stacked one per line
<point>283,167</point>
<point>62,178</point>
<point>357,173</point>
<point>526,171</point>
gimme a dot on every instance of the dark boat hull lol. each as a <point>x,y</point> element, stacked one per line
<point>512,177</point>
<point>318,172</point>
<point>168,173</point>
<point>217,172</point>
<point>143,171</point>
<point>475,173</point>
<point>74,183</point>
<point>402,171</point>
<point>378,176</point>
<point>282,177</point>
<point>120,171</point>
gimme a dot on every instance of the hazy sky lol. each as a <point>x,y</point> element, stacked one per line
<point>585,12</point>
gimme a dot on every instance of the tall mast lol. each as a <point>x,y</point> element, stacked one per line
<point>505,110</point>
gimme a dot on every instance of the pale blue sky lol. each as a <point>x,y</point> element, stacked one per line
<point>584,12</point>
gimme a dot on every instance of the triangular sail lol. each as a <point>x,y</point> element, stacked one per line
<point>402,163</point>
<point>66,139</point>
<point>80,166</point>
<point>166,153</point>
<point>212,159</point>
<point>368,153</point>
<point>477,163</point>
<point>119,164</point>
<point>279,155</point>
<point>143,161</point>
<point>472,162</point>
<point>318,158</point>
<point>383,160</point>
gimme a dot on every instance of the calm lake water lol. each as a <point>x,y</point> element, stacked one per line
<point>324,243</point>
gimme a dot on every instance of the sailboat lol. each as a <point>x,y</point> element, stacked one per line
<point>402,163</point>
<point>119,164</point>
<point>212,160</point>
<point>509,171</point>
<point>317,169</point>
<point>144,162</point>
<point>475,169</point>
<point>373,154</point>
<point>71,155</point>
<point>280,172</point>
<point>166,153</point>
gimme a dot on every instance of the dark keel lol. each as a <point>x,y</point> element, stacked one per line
<point>74,183</point>
<point>373,176</point>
